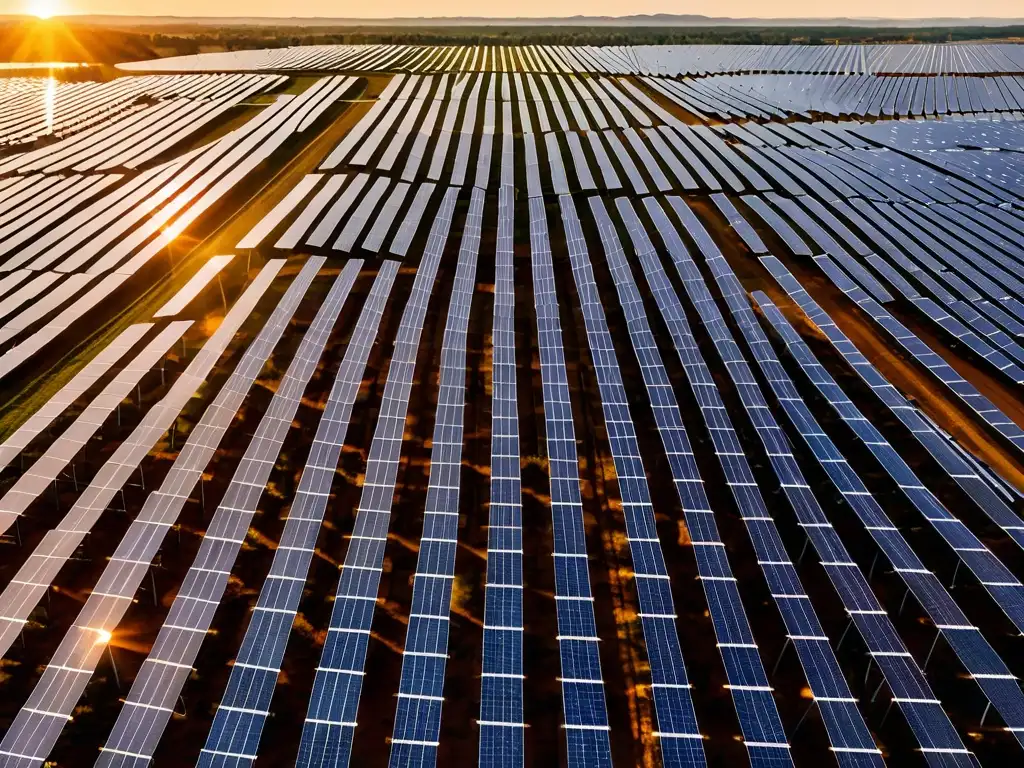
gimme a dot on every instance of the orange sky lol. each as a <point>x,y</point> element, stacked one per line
<point>393,8</point>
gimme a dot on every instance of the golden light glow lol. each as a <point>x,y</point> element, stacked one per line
<point>103,636</point>
<point>43,9</point>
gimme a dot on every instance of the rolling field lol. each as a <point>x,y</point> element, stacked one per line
<point>507,405</point>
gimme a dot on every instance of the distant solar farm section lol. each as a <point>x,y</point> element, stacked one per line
<point>514,405</point>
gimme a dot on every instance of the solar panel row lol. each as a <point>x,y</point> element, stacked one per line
<point>334,702</point>
<point>417,729</point>
<point>662,60</point>
<point>759,720</point>
<point>157,686</point>
<point>76,437</point>
<point>935,733</point>
<point>39,722</point>
<point>66,396</point>
<point>583,696</point>
<point>238,722</point>
<point>847,731</point>
<point>501,722</point>
<point>679,737</point>
<point>977,655</point>
<point>196,284</point>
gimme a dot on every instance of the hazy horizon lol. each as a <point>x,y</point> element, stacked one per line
<point>869,9</point>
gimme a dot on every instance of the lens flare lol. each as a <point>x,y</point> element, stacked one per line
<point>43,9</point>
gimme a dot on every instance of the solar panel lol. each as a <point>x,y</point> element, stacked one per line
<point>63,450</point>
<point>279,212</point>
<point>849,736</point>
<point>539,105</point>
<point>359,130</point>
<point>579,160</point>
<point>385,218</point>
<point>684,150</point>
<point>79,384</point>
<point>42,218</point>
<point>359,218</point>
<point>223,165</point>
<point>419,146</point>
<point>925,713</point>
<point>461,166</point>
<point>339,86</point>
<point>778,225</point>
<point>967,642</point>
<point>608,174</point>
<point>406,128</point>
<point>417,728</point>
<point>946,375</point>
<point>12,280</point>
<point>501,720</point>
<point>626,162</point>
<point>23,351</point>
<point>44,305</point>
<point>483,163</point>
<point>555,102</point>
<point>331,718</point>
<point>783,179</point>
<point>238,721</point>
<point>678,734</point>
<point>647,160</point>
<point>130,453</point>
<point>709,157</point>
<point>507,178</point>
<point>533,183</point>
<point>559,183</point>
<point>683,177</point>
<point>188,292</point>
<point>583,697</point>
<point>444,138</point>
<point>27,292</point>
<point>338,211</point>
<point>739,224</point>
<point>411,223</point>
<point>163,674</point>
<point>39,722</point>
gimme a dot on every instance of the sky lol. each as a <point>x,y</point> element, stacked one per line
<point>527,8</point>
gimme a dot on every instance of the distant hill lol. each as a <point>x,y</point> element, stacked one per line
<point>656,20</point>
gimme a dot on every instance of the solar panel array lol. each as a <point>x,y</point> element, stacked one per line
<point>334,702</point>
<point>757,325</point>
<point>158,685</point>
<point>235,733</point>
<point>612,59</point>
<point>414,740</point>
<point>55,696</point>
<point>678,735</point>
<point>502,722</point>
<point>583,696</point>
<point>81,217</point>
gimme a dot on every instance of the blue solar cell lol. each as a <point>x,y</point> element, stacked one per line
<point>677,722</point>
<point>586,718</point>
<point>421,688</point>
<point>979,658</point>
<point>148,707</point>
<point>238,723</point>
<point>330,721</point>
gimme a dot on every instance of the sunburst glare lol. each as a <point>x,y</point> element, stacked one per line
<point>43,9</point>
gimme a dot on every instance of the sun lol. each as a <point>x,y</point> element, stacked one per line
<point>43,9</point>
